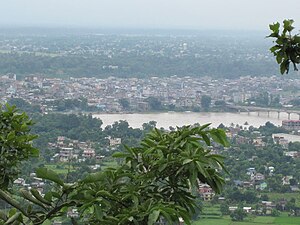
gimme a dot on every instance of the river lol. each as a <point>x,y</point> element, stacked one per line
<point>167,119</point>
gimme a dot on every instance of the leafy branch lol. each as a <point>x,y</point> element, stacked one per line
<point>153,183</point>
<point>287,48</point>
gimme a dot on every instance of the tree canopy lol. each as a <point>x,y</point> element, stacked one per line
<point>155,181</point>
<point>205,101</point>
<point>15,143</point>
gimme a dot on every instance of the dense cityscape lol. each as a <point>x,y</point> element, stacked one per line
<point>154,94</point>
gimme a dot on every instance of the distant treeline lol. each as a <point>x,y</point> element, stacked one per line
<point>133,66</point>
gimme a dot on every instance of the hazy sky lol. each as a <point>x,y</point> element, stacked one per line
<point>195,14</point>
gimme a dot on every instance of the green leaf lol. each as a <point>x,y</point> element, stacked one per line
<point>274,27</point>
<point>185,218</point>
<point>206,139</point>
<point>297,39</point>
<point>3,215</point>
<point>14,218</point>
<point>98,212</point>
<point>48,196</point>
<point>219,136</point>
<point>37,195</point>
<point>55,194</point>
<point>153,217</point>
<point>30,198</point>
<point>48,174</point>
<point>284,67</point>
<point>287,25</point>
<point>9,199</point>
<point>93,177</point>
<point>162,167</point>
<point>120,155</point>
<point>274,48</point>
<point>204,126</point>
<point>29,209</point>
<point>103,193</point>
<point>34,152</point>
<point>279,57</point>
<point>186,161</point>
<point>167,216</point>
<point>11,136</point>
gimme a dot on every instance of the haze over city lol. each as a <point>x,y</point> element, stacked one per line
<point>157,14</point>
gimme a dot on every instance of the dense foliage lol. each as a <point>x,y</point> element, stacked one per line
<point>154,182</point>
<point>15,143</point>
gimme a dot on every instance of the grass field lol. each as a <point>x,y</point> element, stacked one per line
<point>108,164</point>
<point>287,220</point>
<point>259,220</point>
<point>62,169</point>
<point>211,215</point>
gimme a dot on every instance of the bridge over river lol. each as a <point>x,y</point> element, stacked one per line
<point>262,109</point>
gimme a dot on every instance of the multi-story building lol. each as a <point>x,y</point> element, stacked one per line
<point>291,124</point>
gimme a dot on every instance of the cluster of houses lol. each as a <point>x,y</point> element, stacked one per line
<point>257,181</point>
<point>105,94</point>
<point>74,150</point>
<point>284,140</point>
<point>71,150</point>
<point>32,182</point>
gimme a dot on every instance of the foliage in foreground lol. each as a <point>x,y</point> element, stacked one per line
<point>287,48</point>
<point>155,181</point>
<point>15,143</point>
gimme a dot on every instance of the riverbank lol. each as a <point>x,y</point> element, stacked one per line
<point>211,110</point>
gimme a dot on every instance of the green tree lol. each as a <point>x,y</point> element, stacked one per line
<point>262,99</point>
<point>238,214</point>
<point>154,103</point>
<point>205,101</point>
<point>15,143</point>
<point>294,146</point>
<point>275,213</point>
<point>264,197</point>
<point>275,101</point>
<point>224,208</point>
<point>124,103</point>
<point>221,125</point>
<point>147,127</point>
<point>154,182</point>
<point>24,105</point>
<point>220,103</point>
<point>250,197</point>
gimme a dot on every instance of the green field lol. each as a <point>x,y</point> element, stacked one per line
<point>63,168</point>
<point>287,220</point>
<point>259,220</point>
<point>109,164</point>
<point>60,168</point>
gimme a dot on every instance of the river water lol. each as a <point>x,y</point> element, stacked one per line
<point>167,119</point>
